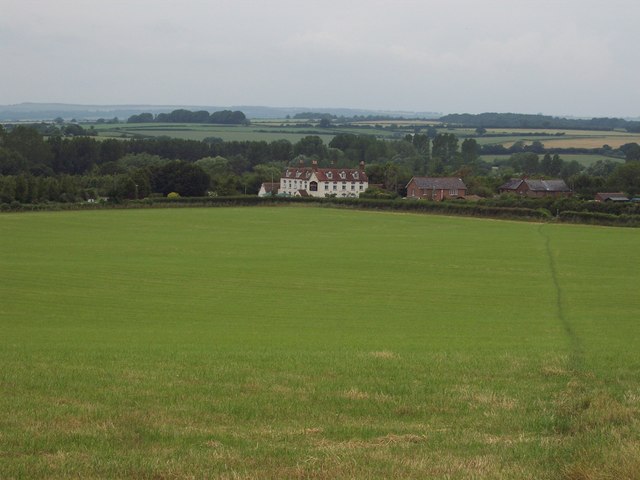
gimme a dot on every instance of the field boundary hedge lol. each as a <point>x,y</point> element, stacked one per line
<point>454,208</point>
<point>597,218</point>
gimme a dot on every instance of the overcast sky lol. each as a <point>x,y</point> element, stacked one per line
<point>562,57</point>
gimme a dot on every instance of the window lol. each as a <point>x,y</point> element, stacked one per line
<point>313,186</point>
<point>343,175</point>
<point>335,187</point>
<point>329,175</point>
<point>344,185</point>
<point>353,186</point>
<point>355,175</point>
<point>361,186</point>
<point>298,173</point>
<point>326,186</point>
<point>453,192</point>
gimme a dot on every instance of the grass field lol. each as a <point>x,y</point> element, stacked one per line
<point>292,130</point>
<point>307,342</point>
<point>584,159</point>
<point>570,139</point>
<point>258,131</point>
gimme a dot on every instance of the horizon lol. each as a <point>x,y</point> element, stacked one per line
<point>42,107</point>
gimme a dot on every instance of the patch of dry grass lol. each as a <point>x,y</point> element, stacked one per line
<point>356,394</point>
<point>391,439</point>
<point>385,355</point>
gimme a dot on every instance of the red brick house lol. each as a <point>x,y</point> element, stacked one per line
<point>436,188</point>
<point>536,188</point>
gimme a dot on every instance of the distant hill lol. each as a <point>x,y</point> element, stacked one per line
<point>49,111</point>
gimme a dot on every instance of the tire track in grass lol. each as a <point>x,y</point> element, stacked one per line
<point>576,353</point>
<point>588,419</point>
<point>571,401</point>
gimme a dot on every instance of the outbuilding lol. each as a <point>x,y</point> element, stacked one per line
<point>436,188</point>
<point>527,187</point>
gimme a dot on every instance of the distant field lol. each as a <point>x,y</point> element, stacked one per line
<point>614,141</point>
<point>571,138</point>
<point>293,130</point>
<point>259,131</point>
<point>316,343</point>
<point>583,159</point>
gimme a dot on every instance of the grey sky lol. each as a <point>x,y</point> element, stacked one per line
<point>555,57</point>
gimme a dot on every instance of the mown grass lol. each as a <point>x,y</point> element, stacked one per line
<point>315,343</point>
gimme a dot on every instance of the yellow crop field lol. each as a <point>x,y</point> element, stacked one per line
<point>613,140</point>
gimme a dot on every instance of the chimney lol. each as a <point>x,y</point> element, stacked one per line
<point>314,165</point>
<point>301,162</point>
<point>362,166</point>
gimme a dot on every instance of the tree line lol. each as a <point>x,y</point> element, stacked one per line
<point>35,168</point>
<point>226,117</point>
<point>519,120</point>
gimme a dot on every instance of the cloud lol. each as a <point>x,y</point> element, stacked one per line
<point>419,55</point>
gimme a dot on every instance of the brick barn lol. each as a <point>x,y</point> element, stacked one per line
<point>436,188</point>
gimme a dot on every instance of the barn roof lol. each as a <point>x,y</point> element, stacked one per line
<point>271,187</point>
<point>553,185</point>
<point>612,196</point>
<point>439,183</point>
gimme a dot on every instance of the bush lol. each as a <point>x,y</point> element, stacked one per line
<point>173,195</point>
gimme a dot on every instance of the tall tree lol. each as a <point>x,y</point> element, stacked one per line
<point>444,148</point>
<point>470,151</point>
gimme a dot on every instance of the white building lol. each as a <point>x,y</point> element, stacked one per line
<point>323,182</point>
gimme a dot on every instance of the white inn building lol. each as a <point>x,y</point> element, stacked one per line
<point>323,182</point>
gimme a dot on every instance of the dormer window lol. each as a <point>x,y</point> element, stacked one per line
<point>330,175</point>
<point>355,175</point>
<point>288,174</point>
<point>343,175</point>
<point>298,173</point>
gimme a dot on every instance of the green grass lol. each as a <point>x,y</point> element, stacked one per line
<point>306,342</point>
<point>257,131</point>
<point>294,130</point>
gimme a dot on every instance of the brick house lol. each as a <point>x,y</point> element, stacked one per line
<point>436,188</point>
<point>322,182</point>
<point>536,188</point>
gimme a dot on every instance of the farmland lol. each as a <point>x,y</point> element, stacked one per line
<point>265,130</point>
<point>584,159</point>
<point>316,343</point>
<point>294,130</point>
